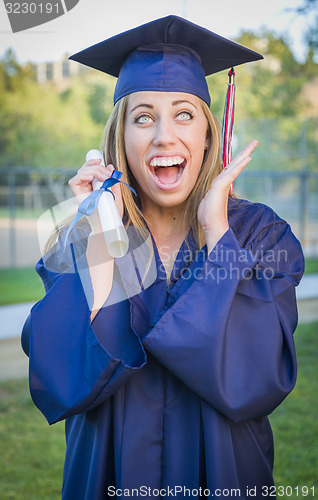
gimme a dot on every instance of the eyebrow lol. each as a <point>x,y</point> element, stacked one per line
<point>181,101</point>
<point>150,106</point>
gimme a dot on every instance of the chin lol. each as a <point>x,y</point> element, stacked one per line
<point>171,200</point>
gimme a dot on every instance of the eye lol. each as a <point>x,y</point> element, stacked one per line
<point>143,119</point>
<point>184,116</point>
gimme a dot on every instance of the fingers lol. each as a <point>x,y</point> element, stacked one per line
<point>81,183</point>
<point>245,153</point>
<point>225,179</point>
<point>93,167</point>
<point>248,149</point>
<point>90,163</point>
<point>93,170</point>
<point>236,166</point>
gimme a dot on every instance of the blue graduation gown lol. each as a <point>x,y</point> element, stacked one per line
<point>172,388</point>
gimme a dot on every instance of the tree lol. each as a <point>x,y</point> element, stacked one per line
<point>12,75</point>
<point>39,124</point>
<point>309,9</point>
<point>271,87</point>
<point>269,101</point>
<point>47,125</point>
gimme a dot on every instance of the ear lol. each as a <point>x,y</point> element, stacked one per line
<point>207,140</point>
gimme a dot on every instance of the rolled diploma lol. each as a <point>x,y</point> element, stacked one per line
<point>114,232</point>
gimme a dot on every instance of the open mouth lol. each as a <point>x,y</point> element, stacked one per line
<point>167,169</point>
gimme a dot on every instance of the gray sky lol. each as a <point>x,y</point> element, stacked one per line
<point>91,21</point>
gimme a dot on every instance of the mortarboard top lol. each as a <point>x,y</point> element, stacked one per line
<point>168,54</point>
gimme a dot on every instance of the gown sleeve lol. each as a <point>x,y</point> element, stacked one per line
<point>228,333</point>
<point>70,370</point>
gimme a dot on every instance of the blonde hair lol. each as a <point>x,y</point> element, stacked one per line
<point>114,152</point>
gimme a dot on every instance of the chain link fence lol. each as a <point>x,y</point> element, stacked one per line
<point>283,175</point>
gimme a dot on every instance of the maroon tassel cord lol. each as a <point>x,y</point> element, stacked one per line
<point>228,121</point>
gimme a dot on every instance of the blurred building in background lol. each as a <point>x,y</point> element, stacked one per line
<point>57,71</point>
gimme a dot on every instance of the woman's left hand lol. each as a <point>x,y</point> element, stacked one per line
<point>212,211</point>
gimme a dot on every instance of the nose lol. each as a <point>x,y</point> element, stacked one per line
<point>165,133</point>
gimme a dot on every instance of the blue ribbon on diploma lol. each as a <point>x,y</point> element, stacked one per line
<point>89,205</point>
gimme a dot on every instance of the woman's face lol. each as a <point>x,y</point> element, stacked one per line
<point>165,138</point>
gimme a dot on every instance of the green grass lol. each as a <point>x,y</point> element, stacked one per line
<point>20,285</point>
<point>22,213</point>
<point>32,453</point>
<point>24,285</point>
<point>295,423</point>
<point>311,266</point>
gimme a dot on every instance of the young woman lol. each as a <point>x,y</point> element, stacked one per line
<point>165,385</point>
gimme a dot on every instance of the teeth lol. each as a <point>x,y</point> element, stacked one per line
<point>163,161</point>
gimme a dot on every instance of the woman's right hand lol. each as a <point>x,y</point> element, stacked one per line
<point>81,184</point>
<point>100,263</point>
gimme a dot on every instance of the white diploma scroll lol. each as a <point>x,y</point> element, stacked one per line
<point>114,232</point>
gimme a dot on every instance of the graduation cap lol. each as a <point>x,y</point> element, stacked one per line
<point>170,54</point>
